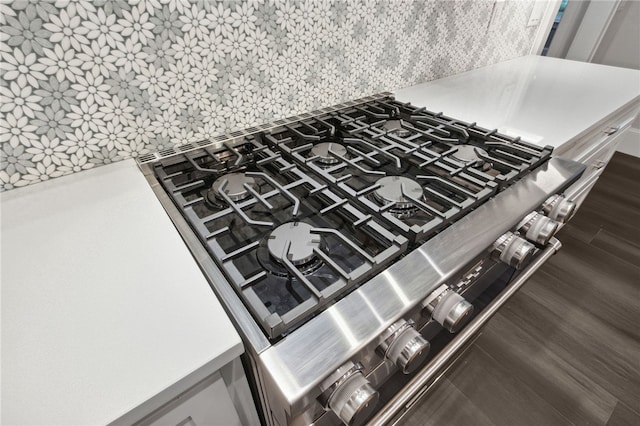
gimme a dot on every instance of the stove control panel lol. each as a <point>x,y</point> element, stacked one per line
<point>538,228</point>
<point>513,250</point>
<point>447,308</point>
<point>349,394</point>
<point>559,208</point>
<point>404,346</point>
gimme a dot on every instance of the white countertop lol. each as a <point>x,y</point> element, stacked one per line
<point>546,101</point>
<point>103,306</point>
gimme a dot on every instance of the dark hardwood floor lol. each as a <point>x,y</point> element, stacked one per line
<point>565,350</point>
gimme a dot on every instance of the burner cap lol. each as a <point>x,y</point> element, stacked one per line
<point>395,127</point>
<point>469,154</point>
<point>321,150</point>
<point>234,188</point>
<point>391,190</point>
<point>301,240</point>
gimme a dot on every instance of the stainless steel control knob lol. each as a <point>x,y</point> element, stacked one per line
<point>559,208</point>
<point>404,346</point>
<point>448,308</point>
<point>538,228</point>
<point>349,395</point>
<point>354,401</point>
<point>513,250</point>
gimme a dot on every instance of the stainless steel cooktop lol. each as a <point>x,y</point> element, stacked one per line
<point>299,215</point>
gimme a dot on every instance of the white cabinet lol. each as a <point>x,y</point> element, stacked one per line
<point>206,404</point>
<point>222,399</point>
<point>594,150</point>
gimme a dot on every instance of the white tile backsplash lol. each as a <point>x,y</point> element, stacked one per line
<point>89,82</point>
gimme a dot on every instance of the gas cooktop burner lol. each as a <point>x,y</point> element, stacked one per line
<point>395,127</point>
<point>470,155</point>
<point>321,150</point>
<point>392,189</point>
<point>294,241</point>
<point>233,185</point>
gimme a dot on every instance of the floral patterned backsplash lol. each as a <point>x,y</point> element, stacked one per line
<point>88,82</point>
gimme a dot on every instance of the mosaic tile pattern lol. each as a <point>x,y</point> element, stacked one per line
<point>88,82</point>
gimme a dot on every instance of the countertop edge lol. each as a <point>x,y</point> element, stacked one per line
<point>165,396</point>
<point>624,109</point>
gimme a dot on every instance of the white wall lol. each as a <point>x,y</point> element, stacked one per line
<point>620,47</point>
<point>567,29</point>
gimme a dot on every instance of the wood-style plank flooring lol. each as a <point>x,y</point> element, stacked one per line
<point>565,350</point>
